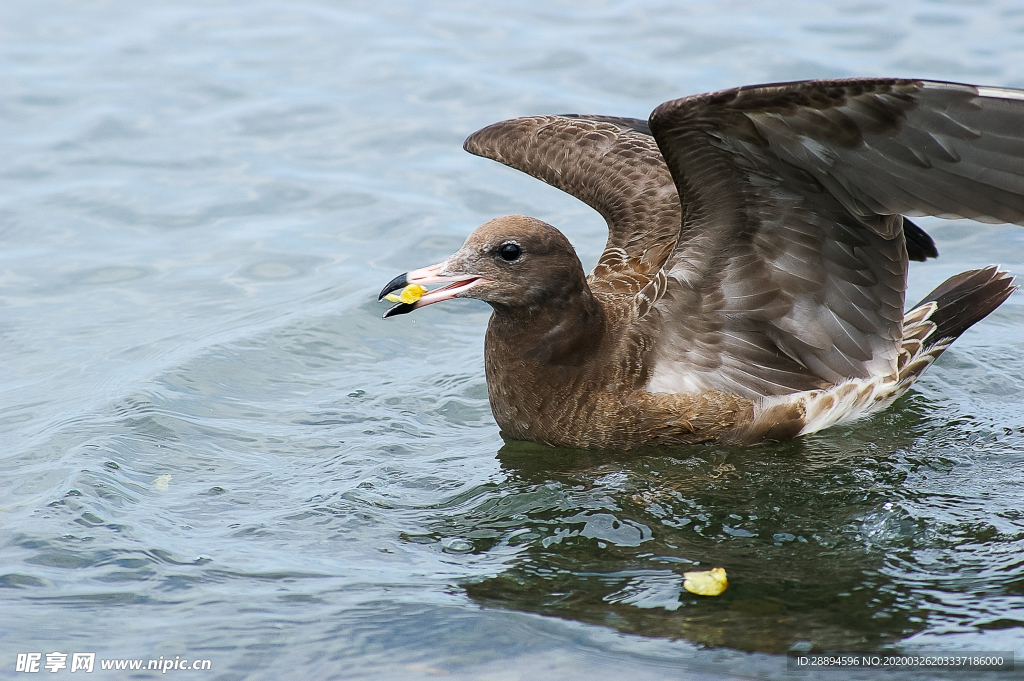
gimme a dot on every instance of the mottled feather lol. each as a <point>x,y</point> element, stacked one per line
<point>757,241</point>
<point>611,164</point>
<point>791,264</point>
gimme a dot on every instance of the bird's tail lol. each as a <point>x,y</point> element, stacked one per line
<point>945,313</point>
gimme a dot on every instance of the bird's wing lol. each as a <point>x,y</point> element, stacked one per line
<point>614,166</point>
<point>790,267</point>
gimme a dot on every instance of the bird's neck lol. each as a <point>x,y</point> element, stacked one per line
<point>540,360</point>
<point>562,331</point>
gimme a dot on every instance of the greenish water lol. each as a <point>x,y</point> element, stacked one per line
<point>214,448</point>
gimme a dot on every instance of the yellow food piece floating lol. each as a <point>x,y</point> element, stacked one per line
<point>409,295</point>
<point>707,583</point>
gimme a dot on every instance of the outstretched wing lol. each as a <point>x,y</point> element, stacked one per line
<point>790,268</point>
<point>614,166</point>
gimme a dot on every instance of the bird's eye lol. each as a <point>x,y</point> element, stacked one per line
<point>510,252</point>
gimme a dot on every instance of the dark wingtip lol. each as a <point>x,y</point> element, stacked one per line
<point>393,285</point>
<point>401,308</point>
<point>920,246</point>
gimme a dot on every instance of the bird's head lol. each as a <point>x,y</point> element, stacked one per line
<point>509,262</point>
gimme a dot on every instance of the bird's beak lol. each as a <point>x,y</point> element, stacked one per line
<point>456,285</point>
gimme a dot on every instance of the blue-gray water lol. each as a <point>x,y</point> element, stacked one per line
<point>213,447</point>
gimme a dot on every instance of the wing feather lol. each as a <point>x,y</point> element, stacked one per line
<point>810,179</point>
<point>611,164</point>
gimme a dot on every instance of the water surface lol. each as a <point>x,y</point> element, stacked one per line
<point>214,447</point>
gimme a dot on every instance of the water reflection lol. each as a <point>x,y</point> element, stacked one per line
<point>803,529</point>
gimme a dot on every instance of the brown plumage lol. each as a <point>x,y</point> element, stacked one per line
<point>752,287</point>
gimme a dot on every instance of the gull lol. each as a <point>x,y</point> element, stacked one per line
<point>752,286</point>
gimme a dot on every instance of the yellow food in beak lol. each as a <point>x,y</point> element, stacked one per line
<point>708,583</point>
<point>409,295</point>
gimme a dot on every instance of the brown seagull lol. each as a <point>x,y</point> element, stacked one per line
<point>752,287</point>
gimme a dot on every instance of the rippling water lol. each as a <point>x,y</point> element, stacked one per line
<point>213,447</point>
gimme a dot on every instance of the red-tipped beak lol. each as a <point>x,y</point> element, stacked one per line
<point>457,284</point>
